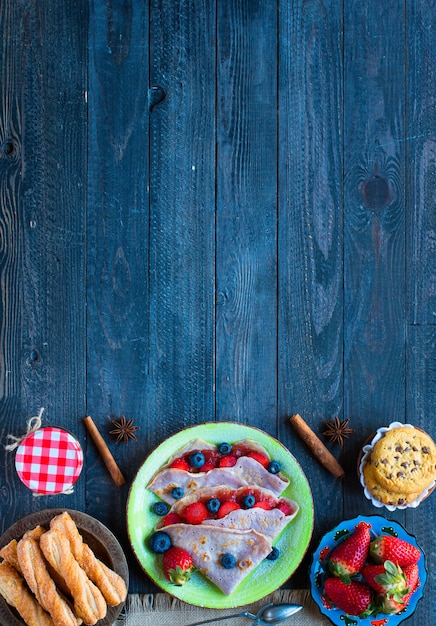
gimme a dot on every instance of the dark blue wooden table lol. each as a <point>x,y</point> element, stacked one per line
<point>217,210</point>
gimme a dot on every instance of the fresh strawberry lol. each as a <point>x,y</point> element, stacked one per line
<point>394,602</point>
<point>263,504</point>
<point>177,565</point>
<point>354,598</point>
<point>386,578</point>
<point>227,507</point>
<point>349,556</point>
<point>195,513</point>
<point>389,548</point>
<point>180,464</point>
<point>227,461</point>
<point>411,573</point>
<point>171,518</point>
<point>259,457</point>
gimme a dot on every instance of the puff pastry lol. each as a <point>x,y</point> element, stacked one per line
<point>41,583</point>
<point>14,591</point>
<point>109,582</point>
<point>9,554</point>
<point>89,603</point>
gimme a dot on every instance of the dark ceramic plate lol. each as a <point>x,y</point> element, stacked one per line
<point>99,538</point>
<point>379,526</point>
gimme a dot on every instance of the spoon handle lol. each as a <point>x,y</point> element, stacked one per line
<point>219,619</point>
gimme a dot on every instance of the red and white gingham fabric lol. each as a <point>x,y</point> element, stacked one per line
<point>49,460</point>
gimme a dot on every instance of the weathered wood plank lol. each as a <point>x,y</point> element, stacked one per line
<point>374,281</point>
<point>43,210</point>
<point>420,151</point>
<point>246,325</point>
<point>310,235</point>
<point>118,245</point>
<point>420,411</point>
<point>182,217</point>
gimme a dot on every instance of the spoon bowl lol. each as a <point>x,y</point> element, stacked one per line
<point>276,613</point>
<point>269,614</point>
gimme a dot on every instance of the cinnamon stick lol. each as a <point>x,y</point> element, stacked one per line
<point>316,446</point>
<point>105,453</point>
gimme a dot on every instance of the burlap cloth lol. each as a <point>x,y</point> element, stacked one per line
<point>163,610</point>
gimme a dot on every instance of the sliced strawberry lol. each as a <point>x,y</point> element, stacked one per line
<point>177,565</point>
<point>263,504</point>
<point>227,507</point>
<point>349,556</point>
<point>180,464</point>
<point>171,518</point>
<point>353,598</point>
<point>195,513</point>
<point>227,461</point>
<point>260,458</point>
<point>389,548</point>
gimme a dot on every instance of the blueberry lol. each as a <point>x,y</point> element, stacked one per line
<point>177,493</point>
<point>249,501</point>
<point>228,561</point>
<point>274,554</point>
<point>274,467</point>
<point>196,459</point>
<point>224,448</point>
<point>161,508</point>
<point>159,542</point>
<point>213,505</point>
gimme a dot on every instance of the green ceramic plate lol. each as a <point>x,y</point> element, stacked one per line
<point>269,575</point>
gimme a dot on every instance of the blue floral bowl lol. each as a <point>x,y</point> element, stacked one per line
<point>318,572</point>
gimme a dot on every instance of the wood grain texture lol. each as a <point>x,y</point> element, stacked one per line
<point>43,224</point>
<point>118,245</point>
<point>310,233</point>
<point>374,279</point>
<point>217,210</point>
<point>420,411</point>
<point>182,217</point>
<point>420,150</point>
<point>246,313</point>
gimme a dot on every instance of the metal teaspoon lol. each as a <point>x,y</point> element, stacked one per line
<point>268,614</point>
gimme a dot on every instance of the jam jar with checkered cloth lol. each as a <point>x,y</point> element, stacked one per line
<point>49,461</point>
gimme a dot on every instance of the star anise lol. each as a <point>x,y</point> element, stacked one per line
<point>124,429</point>
<point>337,431</point>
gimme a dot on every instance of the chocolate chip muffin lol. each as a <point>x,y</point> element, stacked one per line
<point>404,460</point>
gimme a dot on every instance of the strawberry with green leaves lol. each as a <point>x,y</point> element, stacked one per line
<point>349,556</point>
<point>395,602</point>
<point>177,565</point>
<point>389,548</point>
<point>354,598</point>
<point>386,578</point>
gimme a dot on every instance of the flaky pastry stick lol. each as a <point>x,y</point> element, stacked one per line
<point>89,603</point>
<point>109,582</point>
<point>35,572</point>
<point>9,554</point>
<point>14,591</point>
<point>9,551</point>
<point>35,533</point>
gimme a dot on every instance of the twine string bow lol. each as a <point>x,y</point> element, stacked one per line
<point>33,424</point>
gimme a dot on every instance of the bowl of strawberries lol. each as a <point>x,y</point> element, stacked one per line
<point>368,571</point>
